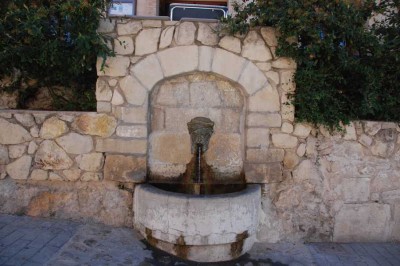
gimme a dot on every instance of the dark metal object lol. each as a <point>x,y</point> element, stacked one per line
<point>179,11</point>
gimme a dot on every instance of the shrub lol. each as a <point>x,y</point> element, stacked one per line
<point>346,70</point>
<point>52,43</point>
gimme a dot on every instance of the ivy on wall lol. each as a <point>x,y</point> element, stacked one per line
<point>52,43</point>
<point>347,69</point>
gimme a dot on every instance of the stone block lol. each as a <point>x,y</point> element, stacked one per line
<point>75,143</point>
<point>273,77</point>
<point>230,121</point>
<point>231,43</point>
<point>19,169</point>
<point>252,79</point>
<point>230,94</point>
<point>129,28</point>
<point>301,150</point>
<point>291,159</point>
<point>269,35</point>
<point>50,156</point>
<point>185,33</point>
<point>147,41</point>
<point>173,94</point>
<point>148,71</point>
<point>136,115</point>
<point>264,120</point>
<point>265,67</point>
<point>95,124</point>
<point>124,45</point>
<point>287,128</point>
<point>179,60</point>
<point>19,134</point>
<point>4,158</point>
<point>206,56</point>
<point>103,91</point>
<point>106,25</point>
<point>263,173</point>
<point>265,155</point>
<point>351,133</point>
<point>302,130</point>
<point>222,59</point>
<point>53,128</point>
<point>284,63</point>
<point>287,81</point>
<point>166,37</point>
<point>32,147</point>
<point>176,119</point>
<point>34,131</point>
<point>39,175</point>
<point>254,48</point>
<point>152,23</point>
<point>224,154</point>
<point>355,189</point>
<point>3,172</point>
<point>362,222</point>
<point>125,168</point>
<point>16,151</point>
<point>284,141</point>
<point>103,107</point>
<point>157,119</point>
<point>287,108</point>
<point>26,120</point>
<point>114,66</point>
<point>381,149</point>
<point>133,91</point>
<point>121,146</point>
<point>91,162</point>
<point>134,131</point>
<point>91,176</point>
<point>371,128</point>
<point>55,177</point>
<point>265,100</point>
<point>204,94</point>
<point>257,138</point>
<point>170,148</point>
<point>72,174</point>
<point>207,34</point>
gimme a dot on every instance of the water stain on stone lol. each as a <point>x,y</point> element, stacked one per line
<point>181,249</point>
<point>237,247</point>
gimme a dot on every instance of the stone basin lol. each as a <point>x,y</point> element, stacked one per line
<point>202,228</point>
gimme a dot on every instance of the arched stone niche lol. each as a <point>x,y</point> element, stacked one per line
<point>173,103</point>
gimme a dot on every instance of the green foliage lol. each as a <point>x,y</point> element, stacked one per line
<point>346,70</point>
<point>54,42</point>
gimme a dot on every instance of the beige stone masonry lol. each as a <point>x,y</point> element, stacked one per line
<point>179,60</point>
<point>148,71</point>
<point>222,59</point>
<point>147,41</point>
<point>113,67</point>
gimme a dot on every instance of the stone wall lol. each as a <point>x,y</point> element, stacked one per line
<point>317,186</point>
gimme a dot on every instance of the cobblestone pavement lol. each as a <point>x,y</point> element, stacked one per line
<point>37,241</point>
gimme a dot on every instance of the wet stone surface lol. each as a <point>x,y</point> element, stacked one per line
<point>35,241</point>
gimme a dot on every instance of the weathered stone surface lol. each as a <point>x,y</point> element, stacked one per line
<point>112,82</point>
<point>355,189</point>
<point>103,92</point>
<point>284,141</point>
<point>184,33</point>
<point>173,93</point>
<point>121,146</point>
<point>90,162</point>
<point>26,120</point>
<point>129,28</point>
<point>135,131</point>
<point>91,176</point>
<point>287,81</point>
<point>125,168</point>
<point>254,48</point>
<point>106,25</point>
<point>3,172</point>
<point>6,115</point>
<point>40,118</point>
<point>16,151</point>
<point>179,60</point>
<point>124,45</point>
<point>287,108</point>
<point>287,128</point>
<point>19,169</point>
<point>103,107</point>
<point>39,175</point>
<point>273,77</point>
<point>371,128</point>
<point>207,34</point>
<point>147,41</point>
<point>224,154</point>
<point>148,71</point>
<point>285,63</point>
<point>381,149</point>
<point>34,131</point>
<point>204,94</point>
<point>291,159</point>
<point>264,120</point>
<point>136,115</point>
<point>206,56</point>
<point>365,140</point>
<point>351,133</point>
<point>95,124</point>
<point>114,66</point>
<point>4,158</point>
<point>19,134</point>
<point>252,79</point>
<point>162,145</point>
<point>222,59</point>
<point>166,37</point>
<point>362,222</point>
<point>152,23</point>
<point>257,138</point>
<point>55,177</point>
<point>53,128</point>
<point>302,130</point>
<point>263,173</point>
<point>117,98</point>
<point>269,36</point>
<point>231,43</point>
<point>72,174</point>
<point>75,143</point>
<point>301,150</point>
<point>265,100</point>
<point>51,157</point>
<point>265,155</point>
<point>264,66</point>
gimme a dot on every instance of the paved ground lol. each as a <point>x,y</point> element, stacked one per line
<point>33,241</point>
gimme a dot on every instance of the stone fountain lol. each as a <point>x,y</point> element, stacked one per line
<point>199,218</point>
